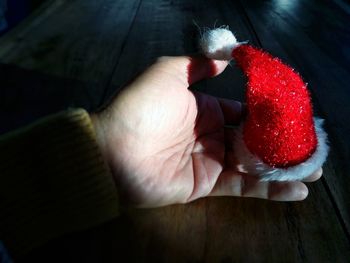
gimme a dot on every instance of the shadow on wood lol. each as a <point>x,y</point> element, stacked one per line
<point>26,96</point>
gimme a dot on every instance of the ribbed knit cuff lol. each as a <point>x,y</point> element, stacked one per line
<point>53,180</point>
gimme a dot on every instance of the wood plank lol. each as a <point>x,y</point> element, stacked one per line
<point>208,230</point>
<point>216,230</point>
<point>240,230</point>
<point>168,28</point>
<point>313,37</point>
<point>211,230</point>
<point>26,95</point>
<point>72,39</point>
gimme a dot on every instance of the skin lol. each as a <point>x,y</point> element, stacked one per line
<point>165,144</point>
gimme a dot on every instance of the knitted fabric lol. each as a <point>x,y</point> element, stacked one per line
<point>279,128</point>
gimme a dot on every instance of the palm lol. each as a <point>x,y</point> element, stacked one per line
<point>166,144</point>
<point>186,150</point>
<point>176,145</point>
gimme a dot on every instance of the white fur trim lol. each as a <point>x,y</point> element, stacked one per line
<point>252,164</point>
<point>218,43</point>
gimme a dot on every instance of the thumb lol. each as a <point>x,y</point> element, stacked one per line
<point>186,69</point>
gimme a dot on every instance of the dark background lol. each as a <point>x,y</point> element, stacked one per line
<point>79,53</point>
<point>17,10</point>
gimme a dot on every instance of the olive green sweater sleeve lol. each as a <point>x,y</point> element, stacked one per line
<point>53,180</point>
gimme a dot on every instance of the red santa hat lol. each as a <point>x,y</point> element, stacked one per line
<point>279,139</point>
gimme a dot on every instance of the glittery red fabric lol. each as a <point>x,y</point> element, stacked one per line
<point>279,127</point>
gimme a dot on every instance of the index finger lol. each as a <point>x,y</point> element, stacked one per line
<point>233,111</point>
<point>189,69</point>
<point>233,183</point>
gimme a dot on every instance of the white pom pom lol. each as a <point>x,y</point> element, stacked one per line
<point>218,43</point>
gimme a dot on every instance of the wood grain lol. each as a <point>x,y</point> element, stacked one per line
<point>27,95</point>
<point>78,41</point>
<point>222,229</point>
<point>276,235</point>
<point>236,230</point>
<point>169,28</point>
<point>313,37</point>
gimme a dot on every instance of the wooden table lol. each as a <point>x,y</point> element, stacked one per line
<point>78,53</point>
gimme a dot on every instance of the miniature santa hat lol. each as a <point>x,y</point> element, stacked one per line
<point>279,140</point>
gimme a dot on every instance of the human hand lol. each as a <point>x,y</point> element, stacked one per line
<point>166,144</point>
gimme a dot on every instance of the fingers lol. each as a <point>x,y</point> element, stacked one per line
<point>199,68</point>
<point>287,191</point>
<point>232,183</point>
<point>232,111</point>
<point>314,177</point>
<point>229,135</point>
<point>191,69</point>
